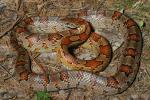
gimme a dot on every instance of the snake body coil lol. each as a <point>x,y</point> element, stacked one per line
<point>82,73</point>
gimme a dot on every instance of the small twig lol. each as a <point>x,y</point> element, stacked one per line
<point>64,89</point>
<point>5,70</point>
<point>70,91</point>
<point>9,73</point>
<point>19,4</point>
<point>147,72</point>
<point>42,68</point>
<point>35,56</point>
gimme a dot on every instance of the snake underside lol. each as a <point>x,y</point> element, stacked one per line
<point>79,72</point>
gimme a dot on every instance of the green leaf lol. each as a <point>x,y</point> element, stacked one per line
<point>122,10</point>
<point>141,24</point>
<point>43,95</point>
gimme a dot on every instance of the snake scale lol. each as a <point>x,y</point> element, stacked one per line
<point>83,72</point>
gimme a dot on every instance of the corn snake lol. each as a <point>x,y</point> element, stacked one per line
<point>84,70</point>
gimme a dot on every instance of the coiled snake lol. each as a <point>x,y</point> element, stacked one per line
<point>83,72</point>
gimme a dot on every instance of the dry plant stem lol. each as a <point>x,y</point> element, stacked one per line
<point>9,74</point>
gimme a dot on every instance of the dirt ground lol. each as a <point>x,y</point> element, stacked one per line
<point>11,89</point>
